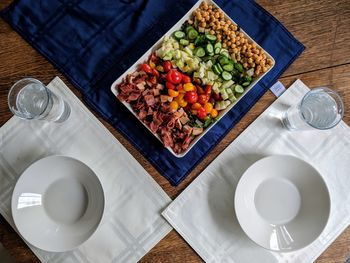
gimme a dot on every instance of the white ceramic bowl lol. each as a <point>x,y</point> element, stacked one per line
<point>282,203</point>
<point>57,203</point>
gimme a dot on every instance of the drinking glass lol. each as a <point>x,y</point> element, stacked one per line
<point>321,108</point>
<point>30,99</point>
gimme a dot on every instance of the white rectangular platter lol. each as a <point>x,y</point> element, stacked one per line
<point>157,45</point>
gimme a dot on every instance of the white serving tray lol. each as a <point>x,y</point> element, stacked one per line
<point>157,45</point>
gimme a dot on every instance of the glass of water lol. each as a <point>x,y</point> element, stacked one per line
<point>321,108</point>
<point>31,99</point>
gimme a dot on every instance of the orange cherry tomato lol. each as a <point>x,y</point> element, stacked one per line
<point>174,105</point>
<point>214,113</point>
<point>208,107</point>
<point>196,106</point>
<point>173,93</point>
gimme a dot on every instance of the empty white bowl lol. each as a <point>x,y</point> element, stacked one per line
<point>282,203</point>
<point>57,203</point>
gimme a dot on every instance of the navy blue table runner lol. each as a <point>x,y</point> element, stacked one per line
<point>94,41</point>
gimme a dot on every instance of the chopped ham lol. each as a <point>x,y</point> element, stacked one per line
<point>141,85</point>
<point>197,131</point>
<point>149,99</point>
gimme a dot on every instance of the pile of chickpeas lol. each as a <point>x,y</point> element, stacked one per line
<point>212,20</point>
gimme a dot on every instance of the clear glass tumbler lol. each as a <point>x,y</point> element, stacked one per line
<point>321,108</point>
<point>30,99</point>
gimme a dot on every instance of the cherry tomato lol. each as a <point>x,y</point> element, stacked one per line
<point>180,88</point>
<point>174,76</point>
<point>214,113</point>
<point>155,72</point>
<point>167,66</point>
<point>207,89</point>
<point>203,98</point>
<point>146,68</point>
<point>169,85</point>
<point>216,96</point>
<point>174,105</point>
<point>191,97</point>
<point>188,86</point>
<point>186,79</point>
<point>196,106</point>
<point>201,113</point>
<point>208,107</point>
<point>173,93</point>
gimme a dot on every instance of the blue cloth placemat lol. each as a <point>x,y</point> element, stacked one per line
<point>94,41</point>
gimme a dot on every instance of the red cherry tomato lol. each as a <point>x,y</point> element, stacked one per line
<point>169,85</point>
<point>203,98</point>
<point>174,76</point>
<point>186,79</point>
<point>201,113</point>
<point>207,89</point>
<point>191,97</point>
<point>167,66</point>
<point>216,96</point>
<point>155,72</point>
<point>153,80</point>
<point>146,68</point>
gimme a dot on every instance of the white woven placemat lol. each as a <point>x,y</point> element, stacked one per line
<point>204,213</point>
<point>132,223</point>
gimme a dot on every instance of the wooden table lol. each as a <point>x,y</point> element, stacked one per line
<point>323,26</point>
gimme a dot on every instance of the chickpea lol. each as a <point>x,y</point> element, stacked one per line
<point>224,45</point>
<point>245,65</point>
<point>249,54</point>
<point>250,60</point>
<point>235,50</point>
<point>222,15</point>
<point>203,24</point>
<point>238,43</point>
<point>264,69</point>
<point>229,43</point>
<point>217,15</point>
<point>238,38</point>
<point>190,22</point>
<point>269,62</point>
<point>212,32</point>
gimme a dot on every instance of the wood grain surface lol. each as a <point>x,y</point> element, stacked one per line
<point>323,26</point>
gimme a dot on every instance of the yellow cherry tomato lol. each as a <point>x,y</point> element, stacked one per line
<point>214,113</point>
<point>174,105</point>
<point>196,106</point>
<point>182,103</point>
<point>152,64</point>
<point>173,93</point>
<point>208,107</point>
<point>189,87</point>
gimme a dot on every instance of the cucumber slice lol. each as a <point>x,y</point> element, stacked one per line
<point>179,34</point>
<point>228,67</point>
<point>188,29</point>
<point>210,37</point>
<point>239,89</point>
<point>217,50</point>
<point>218,45</point>
<point>184,42</point>
<point>223,60</point>
<point>225,53</point>
<point>226,75</point>
<point>220,68</point>
<point>209,48</point>
<point>216,69</point>
<point>245,84</point>
<point>192,34</point>
<point>199,52</point>
<point>239,67</point>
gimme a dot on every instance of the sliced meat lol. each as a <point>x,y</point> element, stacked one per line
<point>149,99</point>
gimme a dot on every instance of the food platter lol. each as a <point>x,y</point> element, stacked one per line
<point>230,68</point>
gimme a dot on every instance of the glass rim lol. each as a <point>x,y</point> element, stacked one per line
<point>14,112</point>
<point>339,102</point>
